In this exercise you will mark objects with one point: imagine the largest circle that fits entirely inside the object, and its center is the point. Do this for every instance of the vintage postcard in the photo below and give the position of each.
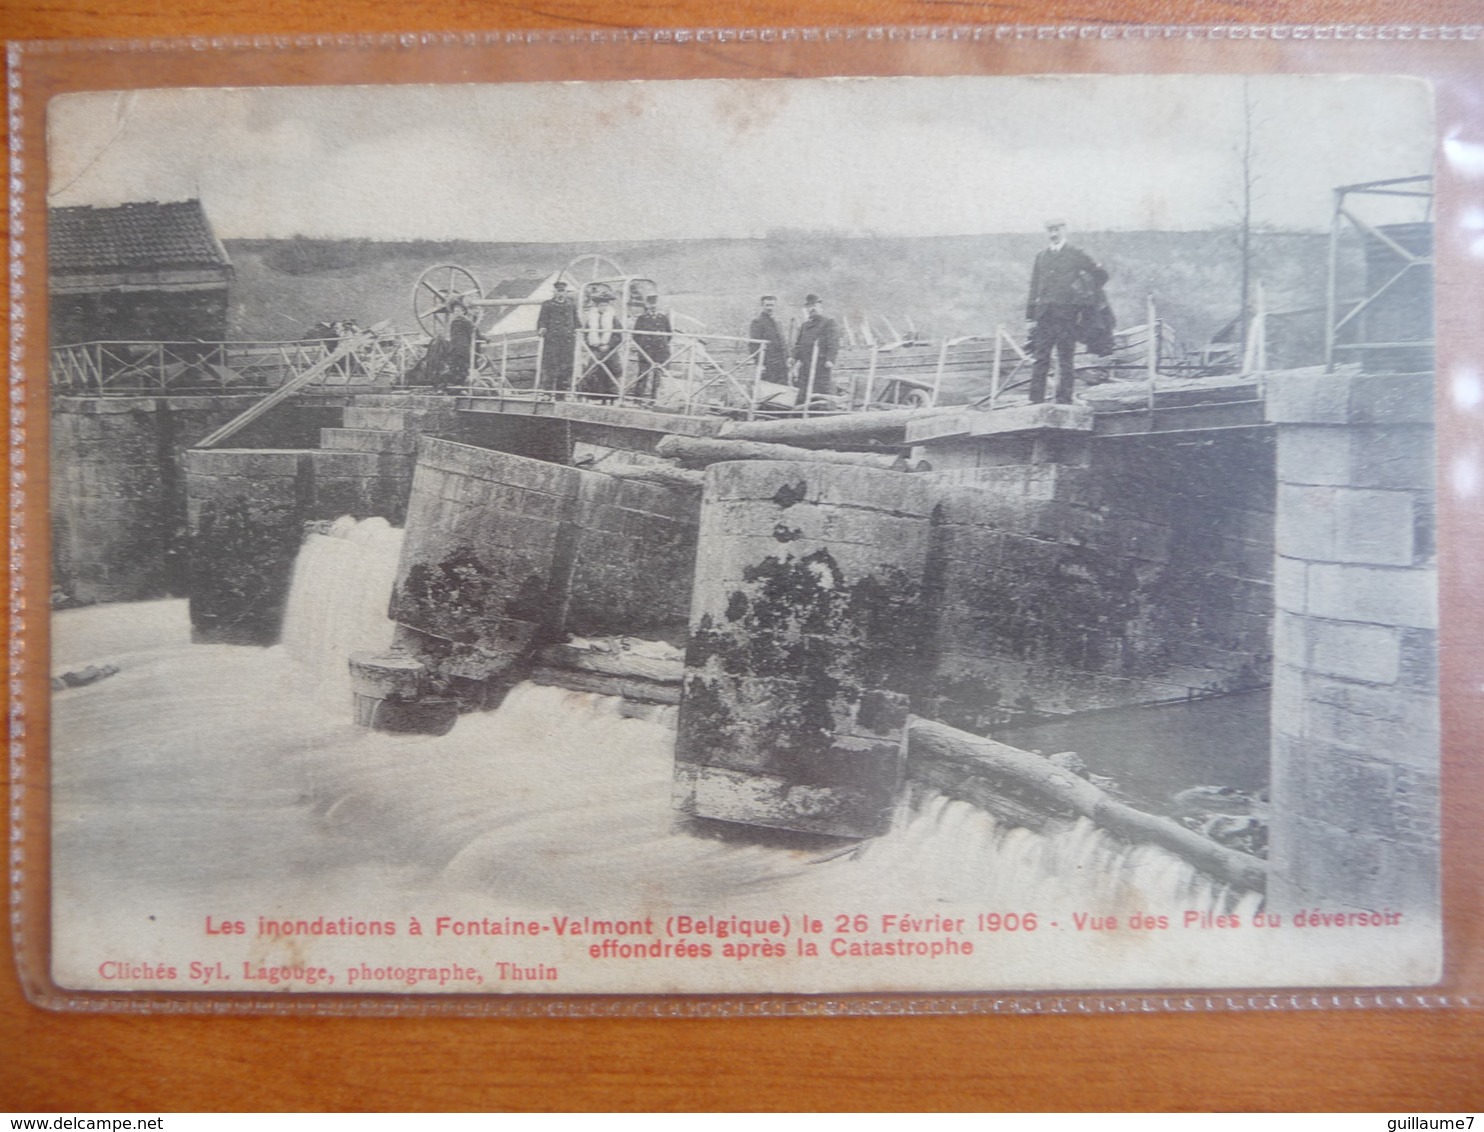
(769, 536)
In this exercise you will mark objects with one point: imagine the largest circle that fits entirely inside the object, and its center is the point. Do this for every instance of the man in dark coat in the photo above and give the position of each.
(815, 349)
(1065, 282)
(458, 365)
(651, 336)
(773, 351)
(557, 325)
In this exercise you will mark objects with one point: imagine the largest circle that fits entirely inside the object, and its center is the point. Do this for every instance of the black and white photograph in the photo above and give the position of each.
(766, 536)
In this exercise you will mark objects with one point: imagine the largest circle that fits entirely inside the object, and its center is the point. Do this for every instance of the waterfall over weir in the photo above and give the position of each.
(231, 777)
(337, 603)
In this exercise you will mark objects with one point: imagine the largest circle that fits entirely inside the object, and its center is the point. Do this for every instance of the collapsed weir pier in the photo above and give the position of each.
(1015, 564)
(1027, 562)
(842, 617)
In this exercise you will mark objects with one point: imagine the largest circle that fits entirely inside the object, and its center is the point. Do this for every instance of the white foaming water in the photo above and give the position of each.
(338, 600)
(217, 780)
(554, 801)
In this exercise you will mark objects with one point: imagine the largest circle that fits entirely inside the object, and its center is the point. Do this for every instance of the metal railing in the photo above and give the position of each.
(1347, 316)
(128, 368)
(684, 372)
(1145, 352)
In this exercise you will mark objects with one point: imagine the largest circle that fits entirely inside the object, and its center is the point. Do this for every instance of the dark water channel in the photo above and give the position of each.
(1153, 753)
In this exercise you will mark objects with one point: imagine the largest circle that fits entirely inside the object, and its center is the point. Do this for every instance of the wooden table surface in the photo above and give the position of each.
(1395, 1061)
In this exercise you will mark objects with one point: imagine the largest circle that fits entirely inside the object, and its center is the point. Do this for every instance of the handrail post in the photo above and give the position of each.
(938, 377)
(996, 364)
(625, 354)
(1331, 298)
(809, 389)
(1151, 346)
(757, 381)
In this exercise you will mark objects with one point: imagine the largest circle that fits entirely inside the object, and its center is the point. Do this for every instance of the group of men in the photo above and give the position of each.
(334, 335)
(1065, 306)
(602, 331)
(810, 366)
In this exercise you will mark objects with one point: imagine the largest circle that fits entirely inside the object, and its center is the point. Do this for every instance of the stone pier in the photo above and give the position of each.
(1355, 716)
(804, 646)
(504, 553)
(118, 498)
(245, 515)
(1073, 571)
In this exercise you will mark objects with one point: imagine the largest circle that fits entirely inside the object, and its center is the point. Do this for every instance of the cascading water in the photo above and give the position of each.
(516, 768)
(337, 603)
(234, 774)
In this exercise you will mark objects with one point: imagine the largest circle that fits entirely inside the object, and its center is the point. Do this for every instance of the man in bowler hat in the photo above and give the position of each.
(815, 350)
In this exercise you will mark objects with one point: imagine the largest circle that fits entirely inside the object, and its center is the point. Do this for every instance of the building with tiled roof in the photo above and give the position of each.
(141, 272)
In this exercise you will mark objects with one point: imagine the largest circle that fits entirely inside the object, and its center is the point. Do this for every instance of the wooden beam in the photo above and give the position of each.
(288, 389)
(888, 427)
(1035, 781)
(701, 451)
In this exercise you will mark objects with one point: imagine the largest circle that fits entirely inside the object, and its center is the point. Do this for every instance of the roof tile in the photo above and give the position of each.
(145, 235)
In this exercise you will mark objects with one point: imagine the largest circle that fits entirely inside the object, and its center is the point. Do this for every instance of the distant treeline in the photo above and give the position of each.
(939, 285)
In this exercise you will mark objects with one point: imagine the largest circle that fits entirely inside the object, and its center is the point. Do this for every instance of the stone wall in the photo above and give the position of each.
(1355, 717)
(805, 646)
(118, 499)
(388, 426)
(1070, 573)
(503, 552)
(246, 510)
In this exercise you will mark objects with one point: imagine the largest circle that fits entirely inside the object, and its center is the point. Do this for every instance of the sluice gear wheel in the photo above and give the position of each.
(586, 270)
(434, 293)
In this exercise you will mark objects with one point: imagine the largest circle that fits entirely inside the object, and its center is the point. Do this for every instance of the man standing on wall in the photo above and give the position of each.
(557, 325)
(774, 354)
(458, 366)
(815, 350)
(1064, 286)
(652, 332)
(602, 335)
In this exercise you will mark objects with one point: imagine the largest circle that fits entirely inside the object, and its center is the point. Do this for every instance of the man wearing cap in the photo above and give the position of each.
(773, 353)
(651, 345)
(815, 350)
(557, 325)
(1064, 285)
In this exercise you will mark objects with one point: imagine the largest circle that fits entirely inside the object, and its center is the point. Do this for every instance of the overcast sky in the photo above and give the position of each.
(642, 160)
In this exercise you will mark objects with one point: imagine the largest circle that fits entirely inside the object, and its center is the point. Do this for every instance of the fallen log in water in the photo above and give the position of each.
(704, 450)
(1033, 786)
(888, 426)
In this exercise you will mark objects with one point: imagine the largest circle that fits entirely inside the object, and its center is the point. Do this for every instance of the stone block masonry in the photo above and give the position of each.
(1355, 715)
(1109, 572)
(389, 426)
(805, 646)
(245, 514)
(504, 553)
(119, 524)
